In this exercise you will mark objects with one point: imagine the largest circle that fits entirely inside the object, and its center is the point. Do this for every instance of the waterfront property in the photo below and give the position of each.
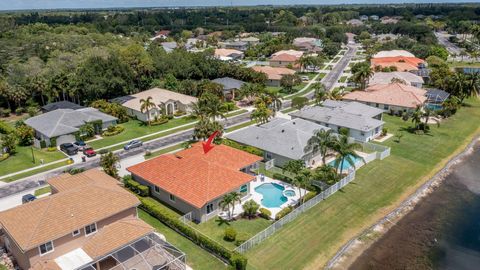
(274, 74)
(394, 97)
(362, 122)
(435, 98)
(61, 125)
(165, 101)
(281, 140)
(89, 222)
(194, 182)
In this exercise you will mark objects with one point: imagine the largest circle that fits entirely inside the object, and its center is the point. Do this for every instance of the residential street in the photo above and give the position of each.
(33, 182)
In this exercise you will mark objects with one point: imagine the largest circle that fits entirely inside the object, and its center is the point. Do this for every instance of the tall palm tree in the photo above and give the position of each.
(363, 75)
(109, 162)
(225, 203)
(320, 92)
(276, 100)
(321, 141)
(345, 153)
(294, 166)
(146, 106)
(301, 180)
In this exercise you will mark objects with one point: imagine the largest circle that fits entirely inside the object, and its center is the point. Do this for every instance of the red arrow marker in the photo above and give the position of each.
(207, 146)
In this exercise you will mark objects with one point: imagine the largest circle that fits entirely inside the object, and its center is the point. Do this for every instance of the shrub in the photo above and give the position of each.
(309, 196)
(53, 142)
(25, 135)
(160, 121)
(43, 144)
(179, 113)
(230, 234)
(265, 213)
(249, 149)
(143, 191)
(282, 177)
(236, 259)
(136, 187)
(113, 130)
(344, 131)
(5, 112)
(250, 208)
(51, 149)
(4, 156)
(74, 171)
(384, 131)
(5, 128)
(241, 238)
(103, 151)
(283, 212)
(32, 111)
(20, 110)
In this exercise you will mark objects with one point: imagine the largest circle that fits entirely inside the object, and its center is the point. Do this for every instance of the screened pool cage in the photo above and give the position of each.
(149, 253)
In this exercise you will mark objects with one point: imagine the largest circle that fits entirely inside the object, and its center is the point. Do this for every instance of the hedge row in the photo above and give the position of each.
(237, 260)
(136, 187)
(246, 148)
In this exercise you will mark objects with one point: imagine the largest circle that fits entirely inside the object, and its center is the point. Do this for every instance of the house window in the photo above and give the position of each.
(75, 233)
(157, 189)
(376, 105)
(89, 229)
(268, 155)
(243, 189)
(46, 248)
(363, 133)
(209, 208)
(385, 107)
(175, 105)
(172, 197)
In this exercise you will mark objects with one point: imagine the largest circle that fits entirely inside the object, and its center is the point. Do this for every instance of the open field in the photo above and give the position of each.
(313, 238)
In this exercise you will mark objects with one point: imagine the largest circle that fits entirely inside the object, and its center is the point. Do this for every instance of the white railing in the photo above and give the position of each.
(186, 218)
(261, 236)
(381, 150)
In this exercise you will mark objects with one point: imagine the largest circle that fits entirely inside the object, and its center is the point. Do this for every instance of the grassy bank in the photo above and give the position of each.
(314, 237)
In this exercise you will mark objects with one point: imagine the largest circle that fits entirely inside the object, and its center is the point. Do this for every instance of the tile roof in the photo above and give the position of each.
(116, 235)
(402, 63)
(195, 177)
(274, 73)
(393, 53)
(158, 96)
(386, 77)
(226, 52)
(280, 136)
(284, 57)
(338, 117)
(290, 52)
(65, 121)
(395, 94)
(57, 215)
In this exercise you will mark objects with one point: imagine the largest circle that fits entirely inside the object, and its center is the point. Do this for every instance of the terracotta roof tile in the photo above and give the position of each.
(195, 177)
(395, 94)
(402, 63)
(284, 57)
(274, 73)
(57, 215)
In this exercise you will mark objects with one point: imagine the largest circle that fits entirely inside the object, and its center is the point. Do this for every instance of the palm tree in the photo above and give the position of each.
(301, 180)
(362, 76)
(416, 117)
(345, 153)
(109, 162)
(321, 141)
(276, 101)
(146, 106)
(294, 166)
(320, 92)
(335, 94)
(229, 200)
(262, 113)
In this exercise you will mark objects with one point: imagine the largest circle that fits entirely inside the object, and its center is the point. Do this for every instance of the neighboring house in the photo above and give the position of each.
(169, 46)
(286, 58)
(162, 34)
(388, 20)
(251, 41)
(194, 182)
(194, 44)
(230, 86)
(281, 140)
(436, 96)
(394, 97)
(308, 44)
(274, 74)
(393, 53)
(63, 124)
(89, 222)
(363, 123)
(167, 101)
(355, 22)
(374, 18)
(228, 54)
(401, 63)
(235, 45)
(364, 17)
(61, 105)
(387, 77)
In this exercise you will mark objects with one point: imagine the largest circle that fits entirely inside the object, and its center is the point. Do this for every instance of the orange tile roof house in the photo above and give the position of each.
(88, 221)
(286, 58)
(402, 63)
(192, 181)
(274, 74)
(394, 97)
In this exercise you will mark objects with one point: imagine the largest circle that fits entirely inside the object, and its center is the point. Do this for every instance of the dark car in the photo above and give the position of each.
(69, 148)
(81, 145)
(133, 144)
(28, 198)
(89, 152)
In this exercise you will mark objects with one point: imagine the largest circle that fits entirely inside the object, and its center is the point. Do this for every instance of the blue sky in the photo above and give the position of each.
(50, 4)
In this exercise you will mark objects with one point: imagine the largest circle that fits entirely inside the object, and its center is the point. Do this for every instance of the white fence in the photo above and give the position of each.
(261, 236)
(186, 218)
(382, 151)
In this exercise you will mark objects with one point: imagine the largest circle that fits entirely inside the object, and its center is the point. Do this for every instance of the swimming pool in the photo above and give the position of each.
(272, 194)
(346, 166)
(434, 107)
(289, 193)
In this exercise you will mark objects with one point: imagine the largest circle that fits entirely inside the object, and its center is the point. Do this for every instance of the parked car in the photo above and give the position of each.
(69, 148)
(133, 144)
(89, 152)
(305, 78)
(81, 145)
(28, 198)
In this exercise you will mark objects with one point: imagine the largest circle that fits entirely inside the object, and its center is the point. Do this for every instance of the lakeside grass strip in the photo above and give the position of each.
(314, 237)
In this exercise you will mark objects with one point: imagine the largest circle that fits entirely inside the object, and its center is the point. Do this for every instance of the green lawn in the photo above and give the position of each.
(23, 159)
(310, 75)
(239, 126)
(463, 64)
(136, 128)
(36, 171)
(315, 236)
(197, 258)
(165, 150)
(245, 229)
(343, 79)
(42, 191)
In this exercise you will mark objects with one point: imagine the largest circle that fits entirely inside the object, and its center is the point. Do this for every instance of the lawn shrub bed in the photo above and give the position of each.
(113, 130)
(265, 213)
(285, 211)
(246, 148)
(236, 260)
(136, 187)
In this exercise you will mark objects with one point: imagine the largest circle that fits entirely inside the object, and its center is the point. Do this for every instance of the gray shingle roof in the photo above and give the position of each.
(339, 116)
(65, 121)
(229, 83)
(61, 105)
(280, 136)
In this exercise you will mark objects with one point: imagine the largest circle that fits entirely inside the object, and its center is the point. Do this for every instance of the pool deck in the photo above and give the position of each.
(257, 197)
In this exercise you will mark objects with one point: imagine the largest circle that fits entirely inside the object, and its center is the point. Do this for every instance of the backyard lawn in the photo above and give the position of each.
(245, 229)
(23, 159)
(315, 236)
(197, 258)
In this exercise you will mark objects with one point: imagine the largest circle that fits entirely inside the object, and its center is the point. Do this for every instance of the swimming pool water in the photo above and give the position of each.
(346, 166)
(289, 193)
(272, 194)
(434, 107)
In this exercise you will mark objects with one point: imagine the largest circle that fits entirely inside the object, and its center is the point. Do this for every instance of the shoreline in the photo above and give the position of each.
(355, 247)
